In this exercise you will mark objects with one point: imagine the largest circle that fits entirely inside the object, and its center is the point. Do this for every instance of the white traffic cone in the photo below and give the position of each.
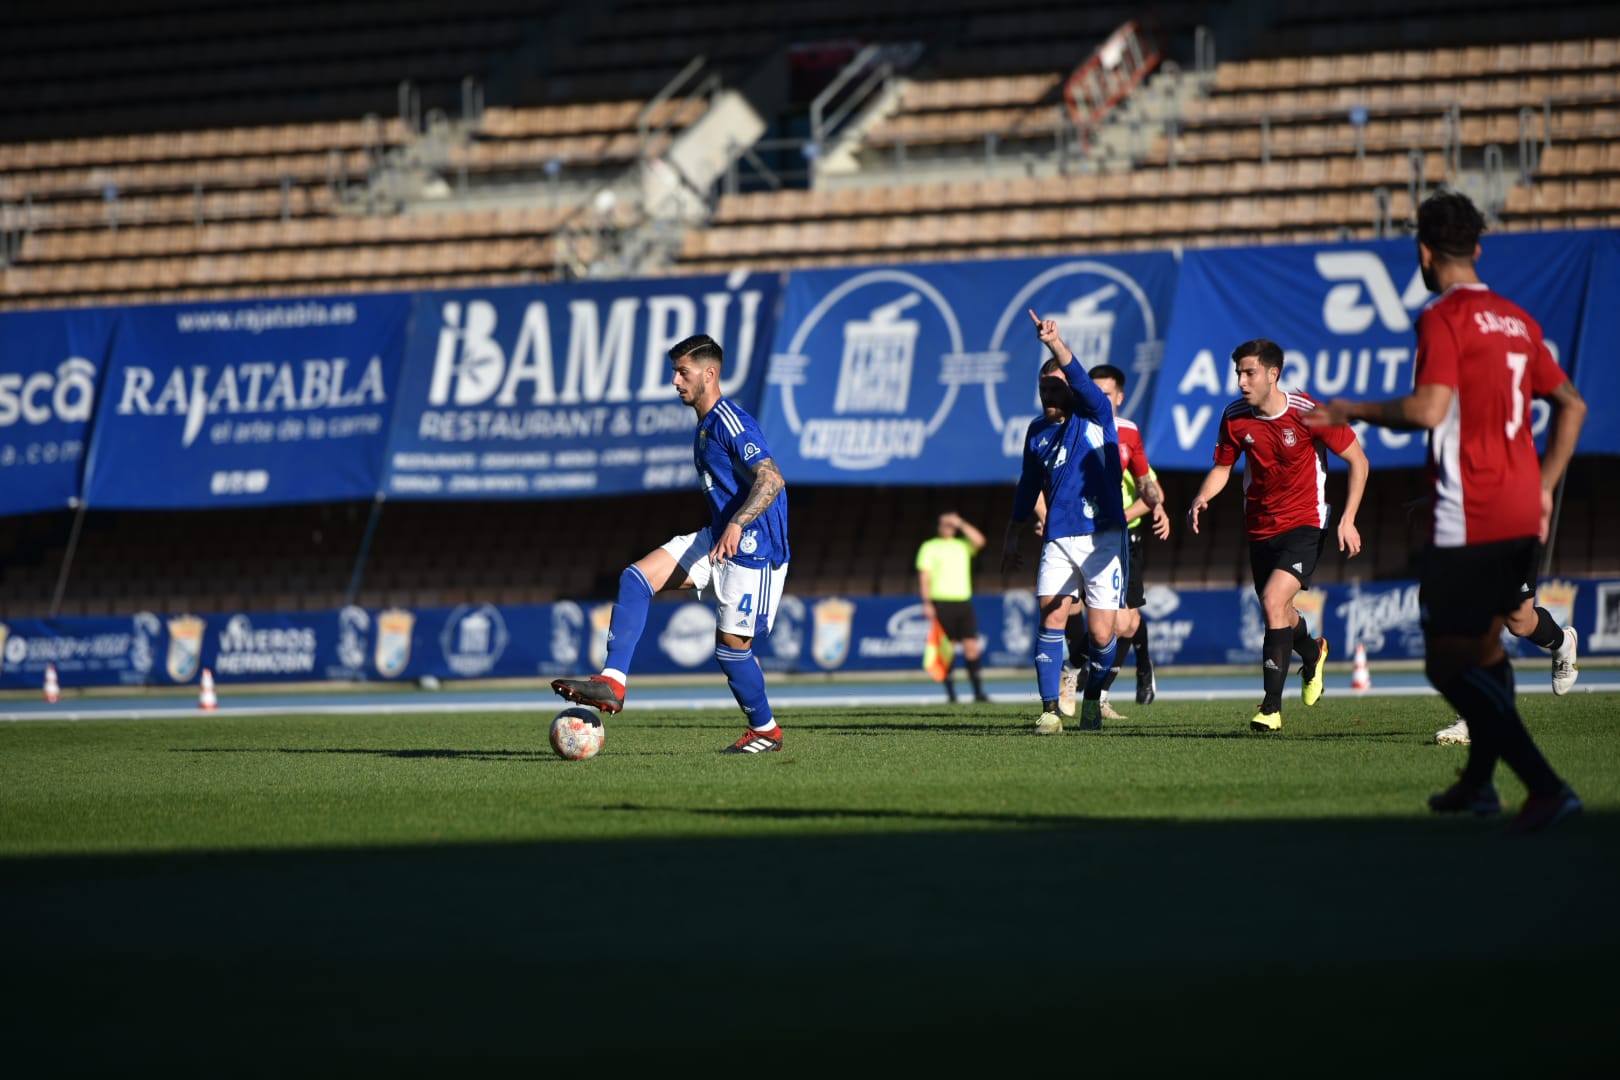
(207, 700)
(1360, 677)
(53, 689)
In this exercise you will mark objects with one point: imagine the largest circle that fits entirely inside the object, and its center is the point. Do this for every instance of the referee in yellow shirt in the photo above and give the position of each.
(945, 579)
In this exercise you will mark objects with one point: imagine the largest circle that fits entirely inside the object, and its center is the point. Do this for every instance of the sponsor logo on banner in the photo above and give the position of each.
(886, 400)
(688, 637)
(1371, 616)
(144, 627)
(905, 634)
(259, 389)
(1310, 603)
(279, 650)
(1166, 636)
(68, 394)
(567, 625)
(185, 647)
(1606, 633)
(353, 623)
(473, 639)
(832, 630)
(787, 631)
(5, 632)
(1103, 315)
(392, 651)
(601, 634)
(1018, 622)
(1251, 629)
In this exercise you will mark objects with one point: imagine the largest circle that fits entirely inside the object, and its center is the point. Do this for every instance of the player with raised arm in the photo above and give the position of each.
(1480, 361)
(739, 561)
(1286, 511)
(1071, 458)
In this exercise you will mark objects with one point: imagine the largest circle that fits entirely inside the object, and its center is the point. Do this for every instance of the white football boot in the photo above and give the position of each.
(1455, 735)
(1564, 668)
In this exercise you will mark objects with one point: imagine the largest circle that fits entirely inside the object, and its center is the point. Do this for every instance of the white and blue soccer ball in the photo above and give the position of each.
(576, 734)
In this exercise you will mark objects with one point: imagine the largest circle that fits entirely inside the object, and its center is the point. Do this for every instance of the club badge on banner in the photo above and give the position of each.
(530, 392)
(229, 404)
(1344, 316)
(911, 374)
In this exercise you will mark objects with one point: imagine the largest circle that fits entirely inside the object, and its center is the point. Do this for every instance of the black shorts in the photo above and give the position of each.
(1134, 596)
(1464, 590)
(1293, 552)
(956, 618)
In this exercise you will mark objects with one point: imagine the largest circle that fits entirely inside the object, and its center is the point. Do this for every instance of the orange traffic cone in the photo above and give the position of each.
(207, 700)
(1360, 677)
(53, 689)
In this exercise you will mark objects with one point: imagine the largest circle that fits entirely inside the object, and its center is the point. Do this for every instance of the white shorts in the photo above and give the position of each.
(745, 597)
(1098, 561)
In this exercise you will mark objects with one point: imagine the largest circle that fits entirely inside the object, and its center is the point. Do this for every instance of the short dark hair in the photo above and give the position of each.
(1108, 371)
(700, 347)
(1449, 224)
(1269, 353)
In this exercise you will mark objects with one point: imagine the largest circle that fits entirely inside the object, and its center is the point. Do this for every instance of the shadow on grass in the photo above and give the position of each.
(1315, 946)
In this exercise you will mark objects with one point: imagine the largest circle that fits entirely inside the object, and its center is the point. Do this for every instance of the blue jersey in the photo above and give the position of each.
(1076, 463)
(729, 446)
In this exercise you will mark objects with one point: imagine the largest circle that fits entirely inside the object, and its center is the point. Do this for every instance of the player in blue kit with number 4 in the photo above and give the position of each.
(739, 562)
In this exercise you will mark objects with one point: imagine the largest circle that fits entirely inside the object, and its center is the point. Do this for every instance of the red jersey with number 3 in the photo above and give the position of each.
(1285, 476)
(1482, 456)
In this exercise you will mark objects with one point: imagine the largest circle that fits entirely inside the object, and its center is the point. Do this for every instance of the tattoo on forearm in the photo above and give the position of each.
(768, 483)
(1151, 493)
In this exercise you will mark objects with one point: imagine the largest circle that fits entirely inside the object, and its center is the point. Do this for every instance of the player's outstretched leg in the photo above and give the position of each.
(747, 684)
(1049, 679)
(606, 691)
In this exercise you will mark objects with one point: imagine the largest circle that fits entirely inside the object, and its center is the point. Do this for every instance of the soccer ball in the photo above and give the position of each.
(576, 734)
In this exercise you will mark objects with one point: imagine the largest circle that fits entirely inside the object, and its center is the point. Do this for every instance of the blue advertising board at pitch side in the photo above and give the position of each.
(1344, 316)
(560, 390)
(50, 367)
(927, 373)
(247, 404)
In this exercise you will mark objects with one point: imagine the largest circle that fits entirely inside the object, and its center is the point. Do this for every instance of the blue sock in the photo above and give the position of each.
(1049, 663)
(747, 685)
(629, 618)
(1099, 665)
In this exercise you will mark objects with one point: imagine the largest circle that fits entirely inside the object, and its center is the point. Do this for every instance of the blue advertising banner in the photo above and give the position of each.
(1597, 375)
(822, 635)
(1344, 316)
(918, 374)
(50, 367)
(529, 392)
(280, 401)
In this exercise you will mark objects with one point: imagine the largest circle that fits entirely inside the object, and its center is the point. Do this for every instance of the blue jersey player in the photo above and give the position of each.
(1072, 464)
(739, 562)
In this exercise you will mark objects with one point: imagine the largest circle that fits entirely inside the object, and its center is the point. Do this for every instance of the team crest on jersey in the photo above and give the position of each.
(749, 543)
(1288, 436)
(393, 649)
(185, 647)
(834, 627)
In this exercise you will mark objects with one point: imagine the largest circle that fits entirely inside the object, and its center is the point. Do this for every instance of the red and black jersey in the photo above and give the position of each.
(1285, 476)
(1482, 456)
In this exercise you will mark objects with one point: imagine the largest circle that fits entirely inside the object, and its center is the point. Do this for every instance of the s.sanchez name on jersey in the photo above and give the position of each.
(729, 447)
(1076, 463)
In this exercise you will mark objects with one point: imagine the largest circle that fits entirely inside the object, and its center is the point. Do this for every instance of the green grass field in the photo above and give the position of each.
(440, 895)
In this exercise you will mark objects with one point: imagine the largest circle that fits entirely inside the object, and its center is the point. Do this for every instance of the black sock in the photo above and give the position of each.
(1139, 642)
(1305, 645)
(1495, 730)
(1108, 679)
(1276, 667)
(1079, 642)
(1547, 634)
(973, 674)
